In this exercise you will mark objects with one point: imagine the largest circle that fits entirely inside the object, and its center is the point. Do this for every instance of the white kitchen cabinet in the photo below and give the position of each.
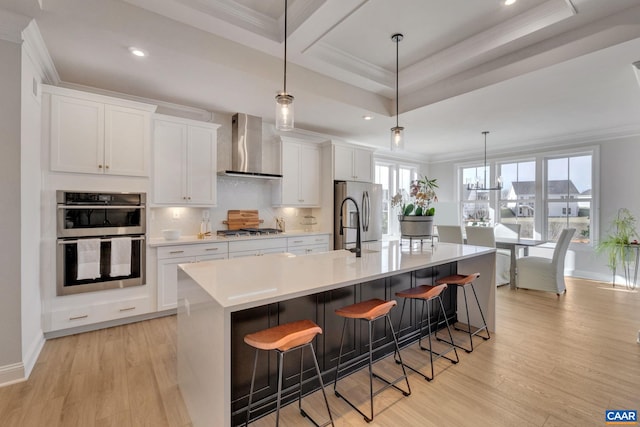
(352, 163)
(300, 184)
(304, 245)
(257, 247)
(96, 134)
(98, 312)
(184, 162)
(167, 267)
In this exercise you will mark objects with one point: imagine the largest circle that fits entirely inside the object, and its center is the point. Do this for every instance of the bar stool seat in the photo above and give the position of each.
(369, 311)
(464, 281)
(427, 294)
(283, 339)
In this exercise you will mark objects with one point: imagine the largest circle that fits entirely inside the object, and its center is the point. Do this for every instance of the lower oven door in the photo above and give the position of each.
(67, 262)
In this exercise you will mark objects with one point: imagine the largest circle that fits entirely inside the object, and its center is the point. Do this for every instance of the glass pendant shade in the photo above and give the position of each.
(284, 112)
(397, 138)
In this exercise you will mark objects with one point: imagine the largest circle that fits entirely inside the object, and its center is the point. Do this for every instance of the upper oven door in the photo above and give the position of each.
(93, 214)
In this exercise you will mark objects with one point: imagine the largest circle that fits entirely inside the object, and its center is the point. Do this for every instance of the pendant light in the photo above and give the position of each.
(284, 101)
(397, 132)
(477, 186)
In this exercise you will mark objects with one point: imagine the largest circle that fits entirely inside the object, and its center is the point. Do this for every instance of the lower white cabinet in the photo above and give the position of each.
(168, 259)
(99, 312)
(304, 245)
(257, 247)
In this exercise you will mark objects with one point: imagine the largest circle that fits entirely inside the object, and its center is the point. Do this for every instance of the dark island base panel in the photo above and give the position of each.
(321, 309)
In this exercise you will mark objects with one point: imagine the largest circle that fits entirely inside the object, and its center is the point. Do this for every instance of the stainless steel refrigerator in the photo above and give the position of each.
(369, 200)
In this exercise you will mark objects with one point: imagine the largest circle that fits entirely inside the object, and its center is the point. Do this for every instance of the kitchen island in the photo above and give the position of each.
(219, 302)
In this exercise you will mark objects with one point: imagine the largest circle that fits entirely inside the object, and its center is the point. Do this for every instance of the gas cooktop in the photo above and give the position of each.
(248, 232)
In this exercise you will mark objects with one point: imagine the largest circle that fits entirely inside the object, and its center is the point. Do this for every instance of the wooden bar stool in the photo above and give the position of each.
(284, 339)
(427, 294)
(370, 310)
(463, 281)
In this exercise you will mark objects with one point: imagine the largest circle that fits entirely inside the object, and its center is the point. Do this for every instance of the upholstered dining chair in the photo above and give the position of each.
(545, 274)
(450, 234)
(509, 231)
(485, 236)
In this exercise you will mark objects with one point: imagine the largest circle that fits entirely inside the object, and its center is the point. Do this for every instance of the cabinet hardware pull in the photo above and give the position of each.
(176, 252)
(128, 308)
(99, 166)
(79, 317)
(106, 167)
(188, 198)
(297, 241)
(319, 240)
(212, 249)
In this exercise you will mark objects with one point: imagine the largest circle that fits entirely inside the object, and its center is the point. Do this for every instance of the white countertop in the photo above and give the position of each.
(193, 240)
(236, 284)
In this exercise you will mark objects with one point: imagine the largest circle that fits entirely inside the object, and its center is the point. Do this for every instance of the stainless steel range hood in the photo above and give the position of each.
(246, 148)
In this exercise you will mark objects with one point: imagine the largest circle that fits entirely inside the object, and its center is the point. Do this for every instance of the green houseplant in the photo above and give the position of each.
(622, 233)
(415, 212)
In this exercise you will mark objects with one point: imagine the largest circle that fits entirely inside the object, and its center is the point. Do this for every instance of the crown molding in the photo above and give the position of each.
(37, 50)
(560, 141)
(11, 26)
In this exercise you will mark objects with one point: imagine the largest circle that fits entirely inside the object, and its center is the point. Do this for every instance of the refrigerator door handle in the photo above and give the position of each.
(366, 207)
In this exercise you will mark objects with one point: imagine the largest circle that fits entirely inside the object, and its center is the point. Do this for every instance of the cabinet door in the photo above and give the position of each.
(343, 163)
(309, 193)
(77, 135)
(168, 282)
(169, 162)
(201, 166)
(363, 165)
(126, 141)
(290, 174)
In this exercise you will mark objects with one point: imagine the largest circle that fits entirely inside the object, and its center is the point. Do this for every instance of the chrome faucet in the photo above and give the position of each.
(358, 249)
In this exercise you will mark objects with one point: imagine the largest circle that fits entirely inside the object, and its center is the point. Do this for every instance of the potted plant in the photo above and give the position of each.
(415, 212)
(622, 234)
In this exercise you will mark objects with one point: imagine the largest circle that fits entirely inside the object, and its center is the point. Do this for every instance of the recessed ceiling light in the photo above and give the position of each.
(137, 52)
(367, 117)
(509, 2)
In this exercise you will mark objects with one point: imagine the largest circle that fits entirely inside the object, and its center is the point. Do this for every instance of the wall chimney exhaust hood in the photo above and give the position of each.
(246, 148)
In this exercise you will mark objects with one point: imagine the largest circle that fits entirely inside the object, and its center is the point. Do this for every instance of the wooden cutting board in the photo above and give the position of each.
(237, 219)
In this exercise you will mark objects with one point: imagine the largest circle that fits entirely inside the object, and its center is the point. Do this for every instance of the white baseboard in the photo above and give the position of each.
(11, 374)
(31, 357)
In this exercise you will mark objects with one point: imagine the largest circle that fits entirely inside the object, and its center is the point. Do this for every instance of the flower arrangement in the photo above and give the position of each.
(419, 199)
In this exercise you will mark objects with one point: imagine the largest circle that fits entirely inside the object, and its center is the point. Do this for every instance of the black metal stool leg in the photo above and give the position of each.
(324, 394)
(484, 322)
(335, 382)
(446, 321)
(280, 368)
(253, 379)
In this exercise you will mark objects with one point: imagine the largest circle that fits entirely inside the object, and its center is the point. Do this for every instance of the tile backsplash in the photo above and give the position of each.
(233, 193)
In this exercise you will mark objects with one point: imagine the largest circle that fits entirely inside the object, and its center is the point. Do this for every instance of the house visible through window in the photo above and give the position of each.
(392, 177)
(545, 195)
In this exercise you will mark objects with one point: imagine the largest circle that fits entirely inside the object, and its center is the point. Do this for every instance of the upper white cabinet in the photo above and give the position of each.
(184, 161)
(300, 184)
(352, 163)
(92, 133)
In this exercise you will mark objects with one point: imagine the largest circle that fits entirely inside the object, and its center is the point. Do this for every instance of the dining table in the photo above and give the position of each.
(513, 244)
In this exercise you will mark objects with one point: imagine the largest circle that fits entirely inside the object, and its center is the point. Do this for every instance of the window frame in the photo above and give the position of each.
(541, 199)
(393, 225)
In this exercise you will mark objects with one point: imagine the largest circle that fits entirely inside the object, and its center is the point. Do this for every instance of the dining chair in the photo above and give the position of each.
(545, 274)
(450, 234)
(509, 231)
(485, 236)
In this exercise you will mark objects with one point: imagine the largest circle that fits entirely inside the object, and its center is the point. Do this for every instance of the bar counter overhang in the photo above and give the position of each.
(219, 301)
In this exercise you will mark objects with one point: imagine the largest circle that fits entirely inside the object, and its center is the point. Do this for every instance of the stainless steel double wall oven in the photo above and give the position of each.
(104, 216)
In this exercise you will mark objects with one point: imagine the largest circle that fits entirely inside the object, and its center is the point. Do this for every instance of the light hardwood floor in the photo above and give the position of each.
(553, 362)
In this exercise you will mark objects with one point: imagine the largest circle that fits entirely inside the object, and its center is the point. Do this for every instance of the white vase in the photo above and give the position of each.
(416, 226)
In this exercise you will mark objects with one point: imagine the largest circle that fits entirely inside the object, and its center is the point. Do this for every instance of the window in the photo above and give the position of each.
(517, 200)
(568, 193)
(475, 205)
(545, 194)
(392, 177)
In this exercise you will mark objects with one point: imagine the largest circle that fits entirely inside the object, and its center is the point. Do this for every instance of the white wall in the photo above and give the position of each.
(619, 173)
(10, 213)
(30, 182)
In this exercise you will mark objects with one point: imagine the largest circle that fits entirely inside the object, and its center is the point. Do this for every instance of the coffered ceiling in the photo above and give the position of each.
(540, 72)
